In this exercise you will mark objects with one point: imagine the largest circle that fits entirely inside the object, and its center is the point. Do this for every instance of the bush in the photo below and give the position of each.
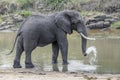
(25, 13)
(1, 19)
(116, 24)
(56, 4)
(25, 3)
(109, 6)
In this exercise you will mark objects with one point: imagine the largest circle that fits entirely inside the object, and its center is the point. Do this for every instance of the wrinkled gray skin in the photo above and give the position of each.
(38, 30)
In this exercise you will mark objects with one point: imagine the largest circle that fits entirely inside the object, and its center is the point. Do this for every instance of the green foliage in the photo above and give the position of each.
(116, 24)
(56, 4)
(25, 3)
(1, 20)
(25, 13)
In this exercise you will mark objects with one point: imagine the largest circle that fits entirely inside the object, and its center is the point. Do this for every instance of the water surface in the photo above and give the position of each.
(108, 54)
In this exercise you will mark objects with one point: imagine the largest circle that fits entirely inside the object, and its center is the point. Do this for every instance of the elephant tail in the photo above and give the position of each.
(18, 34)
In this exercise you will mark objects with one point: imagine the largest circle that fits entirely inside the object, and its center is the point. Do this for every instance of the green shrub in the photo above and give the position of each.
(25, 3)
(116, 24)
(25, 13)
(56, 4)
(1, 19)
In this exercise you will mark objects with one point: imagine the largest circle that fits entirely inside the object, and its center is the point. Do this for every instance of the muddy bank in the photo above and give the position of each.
(33, 74)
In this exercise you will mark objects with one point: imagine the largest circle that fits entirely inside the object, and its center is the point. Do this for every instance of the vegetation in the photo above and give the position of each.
(25, 13)
(116, 24)
(57, 4)
(1, 19)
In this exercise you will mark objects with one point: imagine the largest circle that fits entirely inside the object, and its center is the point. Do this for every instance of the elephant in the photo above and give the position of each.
(41, 30)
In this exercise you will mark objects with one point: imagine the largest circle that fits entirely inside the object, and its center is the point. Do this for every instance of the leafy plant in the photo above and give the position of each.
(116, 24)
(25, 3)
(25, 13)
(56, 4)
(1, 19)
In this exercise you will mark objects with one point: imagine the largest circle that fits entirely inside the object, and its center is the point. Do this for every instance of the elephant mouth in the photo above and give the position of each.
(88, 38)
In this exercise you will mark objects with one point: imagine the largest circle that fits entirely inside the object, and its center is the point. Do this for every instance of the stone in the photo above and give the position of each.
(110, 20)
(92, 20)
(91, 26)
(99, 25)
(118, 27)
(106, 24)
(12, 7)
(100, 16)
(3, 24)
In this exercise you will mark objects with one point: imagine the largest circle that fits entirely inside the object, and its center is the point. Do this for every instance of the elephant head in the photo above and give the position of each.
(71, 20)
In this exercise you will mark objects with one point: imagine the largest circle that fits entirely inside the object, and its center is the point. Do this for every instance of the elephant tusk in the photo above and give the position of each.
(87, 37)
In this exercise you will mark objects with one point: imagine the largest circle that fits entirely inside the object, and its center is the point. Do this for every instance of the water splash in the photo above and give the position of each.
(92, 54)
(78, 65)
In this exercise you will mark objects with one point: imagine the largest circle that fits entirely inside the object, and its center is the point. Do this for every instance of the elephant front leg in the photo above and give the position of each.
(55, 49)
(63, 45)
(64, 50)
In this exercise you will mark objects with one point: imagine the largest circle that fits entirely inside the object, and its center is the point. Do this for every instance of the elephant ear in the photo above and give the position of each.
(63, 21)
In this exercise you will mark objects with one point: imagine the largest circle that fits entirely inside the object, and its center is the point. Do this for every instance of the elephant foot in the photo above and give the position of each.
(16, 65)
(55, 67)
(29, 65)
(65, 68)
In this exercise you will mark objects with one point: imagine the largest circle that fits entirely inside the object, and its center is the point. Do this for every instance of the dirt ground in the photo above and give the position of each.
(32, 74)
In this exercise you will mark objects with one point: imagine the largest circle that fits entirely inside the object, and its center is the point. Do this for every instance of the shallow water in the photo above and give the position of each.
(107, 60)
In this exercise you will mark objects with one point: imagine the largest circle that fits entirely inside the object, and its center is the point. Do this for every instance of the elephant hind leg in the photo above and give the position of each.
(19, 50)
(29, 46)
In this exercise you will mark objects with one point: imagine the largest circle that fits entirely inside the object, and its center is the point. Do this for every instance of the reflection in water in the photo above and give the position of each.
(108, 55)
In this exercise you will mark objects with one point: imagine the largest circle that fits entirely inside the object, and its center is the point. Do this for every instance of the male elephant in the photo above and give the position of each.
(39, 30)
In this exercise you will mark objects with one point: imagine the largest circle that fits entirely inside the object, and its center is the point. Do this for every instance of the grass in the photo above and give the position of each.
(115, 24)
(1, 19)
(25, 13)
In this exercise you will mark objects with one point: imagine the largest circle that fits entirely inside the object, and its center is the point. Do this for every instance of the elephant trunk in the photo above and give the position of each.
(84, 43)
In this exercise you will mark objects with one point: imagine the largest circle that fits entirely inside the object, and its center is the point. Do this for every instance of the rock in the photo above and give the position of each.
(10, 21)
(6, 27)
(3, 24)
(99, 25)
(101, 21)
(100, 16)
(3, 7)
(106, 24)
(12, 7)
(111, 20)
(92, 20)
(17, 18)
(91, 26)
(118, 27)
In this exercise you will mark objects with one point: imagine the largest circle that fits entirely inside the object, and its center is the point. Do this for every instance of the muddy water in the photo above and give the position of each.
(108, 55)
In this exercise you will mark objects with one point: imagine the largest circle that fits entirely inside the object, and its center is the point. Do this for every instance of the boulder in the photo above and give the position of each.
(100, 16)
(99, 25)
(118, 27)
(6, 27)
(101, 21)
(3, 7)
(12, 7)
(3, 24)
(110, 20)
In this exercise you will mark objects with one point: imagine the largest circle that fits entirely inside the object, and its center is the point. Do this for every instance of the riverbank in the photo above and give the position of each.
(32, 74)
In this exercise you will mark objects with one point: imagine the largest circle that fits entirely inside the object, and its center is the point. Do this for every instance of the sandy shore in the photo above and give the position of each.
(32, 74)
